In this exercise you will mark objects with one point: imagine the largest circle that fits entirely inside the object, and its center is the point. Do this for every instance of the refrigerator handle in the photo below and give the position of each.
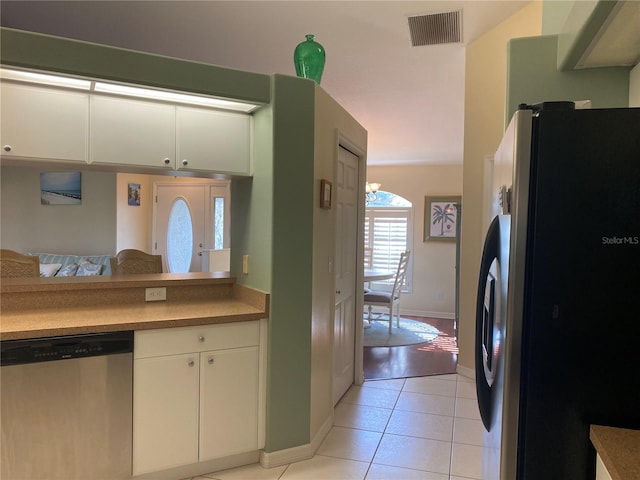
(483, 330)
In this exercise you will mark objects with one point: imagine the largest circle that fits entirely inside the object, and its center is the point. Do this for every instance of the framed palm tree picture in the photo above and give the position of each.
(441, 218)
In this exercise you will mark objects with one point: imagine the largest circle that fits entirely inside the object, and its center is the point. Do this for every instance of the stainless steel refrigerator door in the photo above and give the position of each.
(498, 383)
(517, 144)
(68, 419)
(490, 334)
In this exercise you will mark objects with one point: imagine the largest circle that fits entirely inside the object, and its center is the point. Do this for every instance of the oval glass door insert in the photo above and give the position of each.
(179, 237)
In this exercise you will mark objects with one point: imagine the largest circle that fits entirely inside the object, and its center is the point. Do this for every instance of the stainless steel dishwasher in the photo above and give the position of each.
(67, 407)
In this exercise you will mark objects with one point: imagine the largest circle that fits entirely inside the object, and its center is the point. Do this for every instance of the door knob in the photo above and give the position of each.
(191, 363)
(210, 360)
(167, 161)
(185, 162)
(7, 148)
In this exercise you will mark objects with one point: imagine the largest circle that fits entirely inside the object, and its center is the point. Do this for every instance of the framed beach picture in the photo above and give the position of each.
(133, 194)
(60, 188)
(441, 218)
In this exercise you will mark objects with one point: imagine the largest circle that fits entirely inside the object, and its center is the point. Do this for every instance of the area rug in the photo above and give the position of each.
(410, 332)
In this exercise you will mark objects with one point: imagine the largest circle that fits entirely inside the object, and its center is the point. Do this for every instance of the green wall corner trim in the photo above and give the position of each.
(533, 77)
(289, 355)
(572, 46)
(30, 50)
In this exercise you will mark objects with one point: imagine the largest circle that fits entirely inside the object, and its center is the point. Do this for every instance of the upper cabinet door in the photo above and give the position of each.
(212, 140)
(132, 132)
(44, 123)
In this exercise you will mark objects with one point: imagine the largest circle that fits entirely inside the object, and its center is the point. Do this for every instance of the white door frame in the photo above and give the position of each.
(343, 141)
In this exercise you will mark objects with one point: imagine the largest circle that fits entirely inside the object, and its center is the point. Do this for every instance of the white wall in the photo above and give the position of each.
(485, 97)
(433, 279)
(85, 229)
(330, 118)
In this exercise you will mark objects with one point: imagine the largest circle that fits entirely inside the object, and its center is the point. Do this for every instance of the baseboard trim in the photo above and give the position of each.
(466, 372)
(299, 453)
(201, 468)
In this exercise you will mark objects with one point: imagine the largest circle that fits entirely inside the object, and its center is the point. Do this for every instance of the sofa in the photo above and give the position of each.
(56, 265)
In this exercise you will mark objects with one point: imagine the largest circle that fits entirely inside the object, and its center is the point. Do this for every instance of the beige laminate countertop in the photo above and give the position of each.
(34, 308)
(619, 449)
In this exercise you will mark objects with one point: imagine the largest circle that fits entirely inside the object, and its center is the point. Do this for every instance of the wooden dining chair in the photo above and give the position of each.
(16, 265)
(131, 261)
(390, 300)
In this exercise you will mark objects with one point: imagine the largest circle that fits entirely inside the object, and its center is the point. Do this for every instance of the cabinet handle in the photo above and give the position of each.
(167, 161)
(201, 338)
(185, 162)
(191, 363)
(210, 360)
(7, 148)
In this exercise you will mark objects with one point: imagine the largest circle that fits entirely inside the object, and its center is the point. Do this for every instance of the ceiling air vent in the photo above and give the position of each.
(436, 28)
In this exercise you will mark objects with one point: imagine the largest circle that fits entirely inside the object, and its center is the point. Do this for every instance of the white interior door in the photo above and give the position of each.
(180, 226)
(346, 202)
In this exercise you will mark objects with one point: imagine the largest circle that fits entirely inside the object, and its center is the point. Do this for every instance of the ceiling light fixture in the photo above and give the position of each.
(126, 90)
(371, 192)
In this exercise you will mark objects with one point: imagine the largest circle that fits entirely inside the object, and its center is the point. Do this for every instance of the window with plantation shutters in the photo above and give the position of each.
(387, 233)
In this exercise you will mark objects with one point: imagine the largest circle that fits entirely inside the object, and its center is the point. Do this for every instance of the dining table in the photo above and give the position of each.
(374, 274)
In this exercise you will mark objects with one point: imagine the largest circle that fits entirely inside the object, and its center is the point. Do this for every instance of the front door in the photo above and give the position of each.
(345, 269)
(179, 227)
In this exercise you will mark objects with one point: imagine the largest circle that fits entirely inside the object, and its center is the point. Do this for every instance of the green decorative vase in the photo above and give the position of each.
(309, 58)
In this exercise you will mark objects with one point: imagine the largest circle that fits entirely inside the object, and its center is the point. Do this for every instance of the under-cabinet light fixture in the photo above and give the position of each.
(45, 79)
(126, 90)
(175, 97)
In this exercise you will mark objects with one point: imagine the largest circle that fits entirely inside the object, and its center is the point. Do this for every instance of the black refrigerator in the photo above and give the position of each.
(558, 305)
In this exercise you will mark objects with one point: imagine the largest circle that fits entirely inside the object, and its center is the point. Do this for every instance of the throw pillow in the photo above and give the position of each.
(68, 271)
(49, 269)
(88, 269)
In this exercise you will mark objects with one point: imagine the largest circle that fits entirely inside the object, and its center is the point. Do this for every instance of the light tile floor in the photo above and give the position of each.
(423, 428)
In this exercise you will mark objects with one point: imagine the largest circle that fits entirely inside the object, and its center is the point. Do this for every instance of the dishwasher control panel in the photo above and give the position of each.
(19, 352)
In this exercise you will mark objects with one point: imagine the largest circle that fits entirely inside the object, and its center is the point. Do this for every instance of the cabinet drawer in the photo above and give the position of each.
(174, 341)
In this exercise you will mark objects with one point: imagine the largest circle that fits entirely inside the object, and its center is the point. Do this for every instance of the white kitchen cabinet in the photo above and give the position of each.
(196, 394)
(212, 140)
(165, 412)
(229, 415)
(132, 132)
(44, 123)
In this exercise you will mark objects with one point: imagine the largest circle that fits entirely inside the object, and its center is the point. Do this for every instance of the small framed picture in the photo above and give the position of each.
(325, 194)
(133, 194)
(60, 188)
(441, 218)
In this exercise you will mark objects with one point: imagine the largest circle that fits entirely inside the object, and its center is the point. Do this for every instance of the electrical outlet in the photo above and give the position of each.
(245, 264)
(155, 294)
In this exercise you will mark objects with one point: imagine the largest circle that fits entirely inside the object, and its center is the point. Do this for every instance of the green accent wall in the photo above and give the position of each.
(45, 52)
(289, 377)
(533, 77)
(272, 222)
(272, 212)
